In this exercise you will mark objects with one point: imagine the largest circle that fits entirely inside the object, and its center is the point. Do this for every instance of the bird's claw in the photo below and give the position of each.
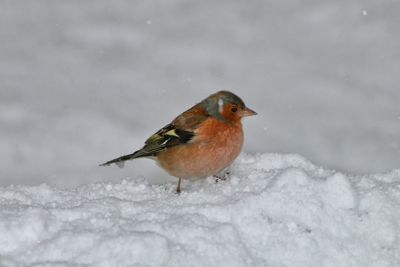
(222, 176)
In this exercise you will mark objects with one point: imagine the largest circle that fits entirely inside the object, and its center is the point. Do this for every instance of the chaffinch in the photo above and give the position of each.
(200, 142)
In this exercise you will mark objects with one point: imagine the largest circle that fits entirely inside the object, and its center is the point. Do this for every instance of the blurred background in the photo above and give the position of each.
(82, 82)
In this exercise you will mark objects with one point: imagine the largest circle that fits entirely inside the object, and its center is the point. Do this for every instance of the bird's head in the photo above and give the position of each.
(226, 106)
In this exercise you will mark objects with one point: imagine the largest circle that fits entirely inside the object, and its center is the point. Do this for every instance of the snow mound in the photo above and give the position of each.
(274, 210)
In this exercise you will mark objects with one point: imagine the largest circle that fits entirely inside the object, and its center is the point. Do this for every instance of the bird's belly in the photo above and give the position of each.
(202, 159)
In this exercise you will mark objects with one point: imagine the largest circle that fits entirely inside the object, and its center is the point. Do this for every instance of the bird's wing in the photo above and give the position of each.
(179, 132)
(166, 137)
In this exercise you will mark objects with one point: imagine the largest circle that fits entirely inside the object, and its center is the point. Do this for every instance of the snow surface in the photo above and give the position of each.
(274, 210)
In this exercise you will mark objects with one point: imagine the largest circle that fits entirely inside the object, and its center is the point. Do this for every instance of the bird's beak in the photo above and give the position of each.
(248, 112)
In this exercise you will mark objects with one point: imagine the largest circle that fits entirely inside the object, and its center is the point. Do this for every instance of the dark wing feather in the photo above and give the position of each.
(168, 136)
(179, 132)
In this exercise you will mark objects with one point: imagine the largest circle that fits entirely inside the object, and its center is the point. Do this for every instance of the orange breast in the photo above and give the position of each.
(216, 146)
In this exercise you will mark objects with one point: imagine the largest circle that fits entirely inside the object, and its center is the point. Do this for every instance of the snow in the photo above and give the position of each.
(82, 82)
(274, 210)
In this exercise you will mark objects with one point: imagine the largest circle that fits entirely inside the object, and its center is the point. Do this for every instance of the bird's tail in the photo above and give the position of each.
(121, 160)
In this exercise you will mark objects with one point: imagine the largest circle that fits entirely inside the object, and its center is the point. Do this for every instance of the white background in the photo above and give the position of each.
(82, 82)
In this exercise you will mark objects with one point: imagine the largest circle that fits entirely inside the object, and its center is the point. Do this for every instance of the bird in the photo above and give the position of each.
(199, 143)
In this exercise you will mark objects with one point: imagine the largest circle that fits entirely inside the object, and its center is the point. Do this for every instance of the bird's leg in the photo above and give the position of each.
(178, 189)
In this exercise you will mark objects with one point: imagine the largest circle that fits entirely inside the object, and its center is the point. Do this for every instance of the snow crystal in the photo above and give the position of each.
(273, 210)
(339, 192)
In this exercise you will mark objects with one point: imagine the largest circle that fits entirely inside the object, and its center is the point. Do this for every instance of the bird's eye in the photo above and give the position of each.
(234, 109)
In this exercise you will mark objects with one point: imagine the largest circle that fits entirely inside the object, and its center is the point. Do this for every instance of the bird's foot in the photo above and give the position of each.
(223, 176)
